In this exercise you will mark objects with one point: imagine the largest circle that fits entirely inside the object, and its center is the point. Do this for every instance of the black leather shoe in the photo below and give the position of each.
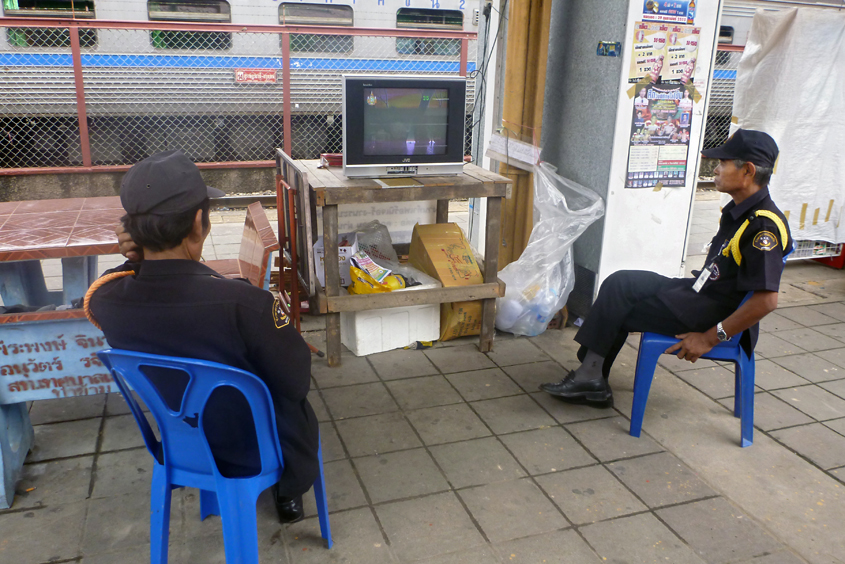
(289, 509)
(596, 393)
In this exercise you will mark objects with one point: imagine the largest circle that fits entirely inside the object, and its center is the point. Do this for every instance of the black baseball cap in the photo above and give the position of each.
(748, 145)
(164, 183)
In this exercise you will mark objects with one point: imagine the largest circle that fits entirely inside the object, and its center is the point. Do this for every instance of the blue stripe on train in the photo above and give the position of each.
(176, 61)
(724, 74)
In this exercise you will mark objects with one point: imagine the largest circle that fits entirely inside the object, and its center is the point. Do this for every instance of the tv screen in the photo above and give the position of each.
(403, 125)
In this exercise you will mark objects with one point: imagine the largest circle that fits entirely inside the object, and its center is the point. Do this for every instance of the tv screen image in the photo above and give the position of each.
(405, 121)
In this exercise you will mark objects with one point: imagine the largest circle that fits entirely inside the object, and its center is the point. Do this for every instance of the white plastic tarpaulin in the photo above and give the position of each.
(790, 83)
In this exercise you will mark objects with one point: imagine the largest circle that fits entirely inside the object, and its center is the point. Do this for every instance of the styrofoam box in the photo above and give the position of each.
(379, 330)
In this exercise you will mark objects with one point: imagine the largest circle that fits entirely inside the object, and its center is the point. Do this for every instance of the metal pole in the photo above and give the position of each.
(286, 93)
(81, 113)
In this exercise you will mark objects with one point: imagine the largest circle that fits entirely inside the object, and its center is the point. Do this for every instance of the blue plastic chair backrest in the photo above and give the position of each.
(183, 444)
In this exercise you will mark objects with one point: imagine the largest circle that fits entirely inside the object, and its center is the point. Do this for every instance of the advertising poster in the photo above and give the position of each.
(673, 11)
(663, 51)
(660, 133)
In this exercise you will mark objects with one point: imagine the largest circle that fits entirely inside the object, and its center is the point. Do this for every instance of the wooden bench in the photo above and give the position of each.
(255, 255)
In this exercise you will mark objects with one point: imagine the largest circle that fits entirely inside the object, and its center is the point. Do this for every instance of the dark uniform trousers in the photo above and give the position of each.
(629, 301)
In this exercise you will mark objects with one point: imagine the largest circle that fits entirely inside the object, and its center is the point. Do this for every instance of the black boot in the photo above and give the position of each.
(289, 509)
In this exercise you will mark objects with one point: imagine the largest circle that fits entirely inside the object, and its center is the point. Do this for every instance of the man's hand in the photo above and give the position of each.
(128, 247)
(693, 345)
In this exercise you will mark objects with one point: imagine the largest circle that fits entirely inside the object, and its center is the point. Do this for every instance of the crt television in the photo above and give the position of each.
(403, 125)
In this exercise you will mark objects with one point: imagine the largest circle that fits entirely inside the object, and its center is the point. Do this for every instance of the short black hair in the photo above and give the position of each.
(162, 232)
(763, 174)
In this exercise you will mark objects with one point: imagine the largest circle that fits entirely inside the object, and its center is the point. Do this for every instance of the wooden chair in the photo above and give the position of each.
(255, 255)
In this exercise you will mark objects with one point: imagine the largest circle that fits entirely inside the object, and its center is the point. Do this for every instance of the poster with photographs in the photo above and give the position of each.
(660, 133)
(663, 51)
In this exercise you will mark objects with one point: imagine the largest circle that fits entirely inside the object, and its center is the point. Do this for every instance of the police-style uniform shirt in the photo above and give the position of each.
(183, 308)
(757, 265)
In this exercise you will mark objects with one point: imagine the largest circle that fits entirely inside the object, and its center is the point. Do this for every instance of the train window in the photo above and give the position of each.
(425, 18)
(726, 34)
(317, 14)
(216, 11)
(49, 37)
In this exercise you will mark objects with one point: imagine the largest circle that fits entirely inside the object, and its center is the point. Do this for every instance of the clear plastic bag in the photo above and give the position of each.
(539, 283)
(374, 239)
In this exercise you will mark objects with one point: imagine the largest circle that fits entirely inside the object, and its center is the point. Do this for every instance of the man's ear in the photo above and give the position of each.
(750, 169)
(197, 230)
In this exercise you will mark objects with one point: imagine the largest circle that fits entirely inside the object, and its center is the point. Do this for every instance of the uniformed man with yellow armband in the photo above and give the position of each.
(746, 255)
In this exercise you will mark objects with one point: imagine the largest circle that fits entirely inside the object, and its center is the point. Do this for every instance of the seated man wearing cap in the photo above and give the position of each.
(746, 255)
(164, 301)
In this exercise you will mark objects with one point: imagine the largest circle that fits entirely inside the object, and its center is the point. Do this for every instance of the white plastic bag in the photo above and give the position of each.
(539, 283)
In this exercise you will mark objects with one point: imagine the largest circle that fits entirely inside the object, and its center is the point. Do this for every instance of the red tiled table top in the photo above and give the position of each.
(40, 229)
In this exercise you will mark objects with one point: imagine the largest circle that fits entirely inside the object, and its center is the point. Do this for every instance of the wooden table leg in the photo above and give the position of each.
(491, 270)
(442, 215)
(332, 270)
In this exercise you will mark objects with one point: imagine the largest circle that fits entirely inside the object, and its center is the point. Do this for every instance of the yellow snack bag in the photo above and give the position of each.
(363, 283)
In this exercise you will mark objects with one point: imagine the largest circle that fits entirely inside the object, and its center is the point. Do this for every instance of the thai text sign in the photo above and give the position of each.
(255, 76)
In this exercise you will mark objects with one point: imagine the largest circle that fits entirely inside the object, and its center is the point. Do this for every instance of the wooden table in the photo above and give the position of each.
(328, 187)
(75, 230)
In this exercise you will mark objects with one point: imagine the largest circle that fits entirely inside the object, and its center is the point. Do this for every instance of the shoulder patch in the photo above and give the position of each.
(280, 318)
(765, 241)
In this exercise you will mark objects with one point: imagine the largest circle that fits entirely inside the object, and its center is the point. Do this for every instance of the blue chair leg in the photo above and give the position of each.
(237, 500)
(159, 516)
(322, 501)
(745, 369)
(646, 365)
(208, 504)
(737, 389)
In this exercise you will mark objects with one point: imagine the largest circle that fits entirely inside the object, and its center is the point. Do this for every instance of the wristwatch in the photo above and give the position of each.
(720, 333)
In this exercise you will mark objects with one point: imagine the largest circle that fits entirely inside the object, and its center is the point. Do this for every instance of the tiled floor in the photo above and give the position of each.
(448, 455)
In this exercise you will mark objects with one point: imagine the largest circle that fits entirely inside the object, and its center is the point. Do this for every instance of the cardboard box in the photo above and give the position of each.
(441, 251)
(347, 245)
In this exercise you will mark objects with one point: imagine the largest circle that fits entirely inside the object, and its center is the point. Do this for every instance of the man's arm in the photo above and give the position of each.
(693, 345)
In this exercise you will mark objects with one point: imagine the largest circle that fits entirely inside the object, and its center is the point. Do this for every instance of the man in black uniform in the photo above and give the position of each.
(169, 303)
(746, 255)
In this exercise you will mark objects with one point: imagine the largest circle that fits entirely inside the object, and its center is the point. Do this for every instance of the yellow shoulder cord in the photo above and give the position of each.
(732, 248)
(95, 286)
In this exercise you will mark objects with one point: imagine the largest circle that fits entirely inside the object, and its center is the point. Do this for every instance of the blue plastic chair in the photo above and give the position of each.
(184, 458)
(652, 345)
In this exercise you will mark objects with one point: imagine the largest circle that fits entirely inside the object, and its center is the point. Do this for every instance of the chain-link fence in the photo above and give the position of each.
(720, 105)
(217, 95)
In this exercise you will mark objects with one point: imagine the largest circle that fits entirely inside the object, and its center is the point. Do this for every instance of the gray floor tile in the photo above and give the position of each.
(116, 405)
(507, 352)
(446, 424)
(318, 405)
(771, 412)
(716, 382)
(564, 412)
(809, 339)
(43, 535)
(551, 547)
(427, 391)
(835, 310)
(476, 462)
(477, 555)
(815, 367)
(836, 387)
(342, 488)
(124, 472)
(330, 443)
(117, 523)
(718, 531)
(135, 555)
(355, 533)
(54, 483)
(512, 414)
(837, 425)
(776, 322)
(823, 446)
(59, 440)
(608, 439)
(837, 330)
(806, 316)
(814, 401)
(639, 538)
(67, 409)
(770, 345)
(121, 431)
(353, 370)
(377, 434)
(484, 384)
(428, 526)
(660, 479)
(511, 510)
(547, 450)
(782, 557)
(458, 359)
(401, 364)
(530, 376)
(559, 346)
(399, 475)
(771, 376)
(357, 401)
(588, 495)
